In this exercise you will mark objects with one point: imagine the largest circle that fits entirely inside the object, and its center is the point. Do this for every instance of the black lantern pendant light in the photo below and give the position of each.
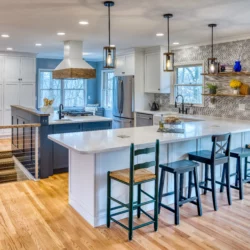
(168, 58)
(109, 53)
(212, 64)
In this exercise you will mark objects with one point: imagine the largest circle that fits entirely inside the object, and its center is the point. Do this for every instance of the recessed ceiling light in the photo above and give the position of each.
(84, 22)
(9, 49)
(38, 44)
(176, 43)
(5, 35)
(159, 34)
(86, 53)
(60, 33)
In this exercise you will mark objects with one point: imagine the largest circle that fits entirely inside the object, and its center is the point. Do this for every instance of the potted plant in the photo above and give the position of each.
(212, 88)
(235, 85)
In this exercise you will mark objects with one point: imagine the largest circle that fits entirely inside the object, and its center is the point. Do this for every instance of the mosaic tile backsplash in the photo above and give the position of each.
(226, 53)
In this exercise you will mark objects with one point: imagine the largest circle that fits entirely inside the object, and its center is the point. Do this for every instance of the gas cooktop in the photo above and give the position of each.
(76, 113)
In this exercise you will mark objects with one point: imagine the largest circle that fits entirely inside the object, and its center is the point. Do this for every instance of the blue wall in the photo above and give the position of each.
(93, 90)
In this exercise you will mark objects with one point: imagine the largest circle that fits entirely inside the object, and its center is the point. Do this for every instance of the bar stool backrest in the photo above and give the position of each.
(221, 144)
(144, 151)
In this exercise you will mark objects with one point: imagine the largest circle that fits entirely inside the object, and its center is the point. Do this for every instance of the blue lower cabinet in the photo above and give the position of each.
(60, 154)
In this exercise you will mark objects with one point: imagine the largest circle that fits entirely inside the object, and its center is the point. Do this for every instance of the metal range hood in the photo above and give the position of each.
(73, 66)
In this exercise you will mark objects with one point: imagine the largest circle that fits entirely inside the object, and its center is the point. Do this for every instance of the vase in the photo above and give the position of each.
(237, 66)
(236, 91)
(212, 91)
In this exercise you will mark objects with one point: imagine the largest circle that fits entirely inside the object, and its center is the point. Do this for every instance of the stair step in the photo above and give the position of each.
(6, 163)
(5, 154)
(8, 175)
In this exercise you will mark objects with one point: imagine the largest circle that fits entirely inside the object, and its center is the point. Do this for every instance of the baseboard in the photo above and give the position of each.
(60, 170)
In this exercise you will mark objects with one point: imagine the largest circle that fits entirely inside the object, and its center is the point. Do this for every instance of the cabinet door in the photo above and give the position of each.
(130, 64)
(11, 95)
(152, 73)
(120, 65)
(27, 69)
(12, 69)
(1, 69)
(27, 94)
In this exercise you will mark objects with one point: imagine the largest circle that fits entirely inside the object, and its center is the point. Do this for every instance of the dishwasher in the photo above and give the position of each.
(144, 120)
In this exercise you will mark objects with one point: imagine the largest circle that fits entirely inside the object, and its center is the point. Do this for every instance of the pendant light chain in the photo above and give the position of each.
(109, 24)
(212, 42)
(168, 35)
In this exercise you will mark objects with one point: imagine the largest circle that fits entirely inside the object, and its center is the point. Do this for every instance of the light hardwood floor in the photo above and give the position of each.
(36, 215)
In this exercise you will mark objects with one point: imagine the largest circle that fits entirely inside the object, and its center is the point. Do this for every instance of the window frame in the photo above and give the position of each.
(102, 87)
(39, 105)
(173, 83)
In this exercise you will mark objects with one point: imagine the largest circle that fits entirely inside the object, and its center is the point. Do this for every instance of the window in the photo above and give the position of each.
(107, 89)
(69, 92)
(188, 82)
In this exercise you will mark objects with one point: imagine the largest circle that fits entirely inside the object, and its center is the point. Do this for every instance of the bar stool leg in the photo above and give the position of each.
(206, 177)
(237, 172)
(229, 198)
(108, 199)
(240, 178)
(181, 187)
(213, 187)
(156, 206)
(176, 199)
(199, 208)
(162, 179)
(245, 168)
(139, 200)
(222, 179)
(130, 218)
(189, 184)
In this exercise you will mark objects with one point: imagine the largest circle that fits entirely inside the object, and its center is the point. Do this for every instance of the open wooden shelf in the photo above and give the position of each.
(231, 95)
(227, 74)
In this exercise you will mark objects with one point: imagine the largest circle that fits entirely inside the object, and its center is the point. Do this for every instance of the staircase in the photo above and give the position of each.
(8, 172)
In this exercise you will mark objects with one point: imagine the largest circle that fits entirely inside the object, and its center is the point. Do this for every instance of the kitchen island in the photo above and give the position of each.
(93, 154)
(53, 157)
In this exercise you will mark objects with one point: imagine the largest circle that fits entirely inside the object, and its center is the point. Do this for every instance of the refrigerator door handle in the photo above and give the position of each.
(122, 95)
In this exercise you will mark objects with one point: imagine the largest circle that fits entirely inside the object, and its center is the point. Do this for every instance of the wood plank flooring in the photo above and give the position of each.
(36, 215)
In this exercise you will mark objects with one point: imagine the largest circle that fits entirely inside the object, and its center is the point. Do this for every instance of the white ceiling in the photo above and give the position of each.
(134, 23)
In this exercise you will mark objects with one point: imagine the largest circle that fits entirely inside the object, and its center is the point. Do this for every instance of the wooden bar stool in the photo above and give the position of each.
(137, 174)
(179, 168)
(239, 154)
(220, 154)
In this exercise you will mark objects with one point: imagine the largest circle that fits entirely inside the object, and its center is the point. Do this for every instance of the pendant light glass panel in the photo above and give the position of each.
(109, 57)
(212, 66)
(168, 62)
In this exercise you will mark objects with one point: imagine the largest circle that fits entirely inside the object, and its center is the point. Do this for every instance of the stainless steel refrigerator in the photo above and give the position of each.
(123, 102)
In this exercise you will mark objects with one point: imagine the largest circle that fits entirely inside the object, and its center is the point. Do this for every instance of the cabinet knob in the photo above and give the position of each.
(159, 89)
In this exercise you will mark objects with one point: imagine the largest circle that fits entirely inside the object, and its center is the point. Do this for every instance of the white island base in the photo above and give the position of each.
(88, 176)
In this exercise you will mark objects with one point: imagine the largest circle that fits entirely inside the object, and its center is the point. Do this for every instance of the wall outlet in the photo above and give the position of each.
(242, 106)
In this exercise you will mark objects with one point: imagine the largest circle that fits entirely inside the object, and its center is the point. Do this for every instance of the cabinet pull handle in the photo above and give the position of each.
(159, 89)
(123, 72)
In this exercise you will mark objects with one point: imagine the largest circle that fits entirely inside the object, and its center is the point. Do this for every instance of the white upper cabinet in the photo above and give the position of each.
(12, 69)
(125, 65)
(19, 69)
(156, 80)
(27, 69)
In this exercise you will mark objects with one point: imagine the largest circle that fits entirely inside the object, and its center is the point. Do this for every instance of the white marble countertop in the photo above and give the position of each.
(54, 119)
(109, 140)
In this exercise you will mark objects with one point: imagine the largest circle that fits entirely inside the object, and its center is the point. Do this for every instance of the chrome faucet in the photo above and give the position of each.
(60, 111)
(182, 110)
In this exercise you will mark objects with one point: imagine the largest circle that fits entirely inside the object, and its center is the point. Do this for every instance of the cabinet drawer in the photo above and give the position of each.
(67, 128)
(96, 126)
